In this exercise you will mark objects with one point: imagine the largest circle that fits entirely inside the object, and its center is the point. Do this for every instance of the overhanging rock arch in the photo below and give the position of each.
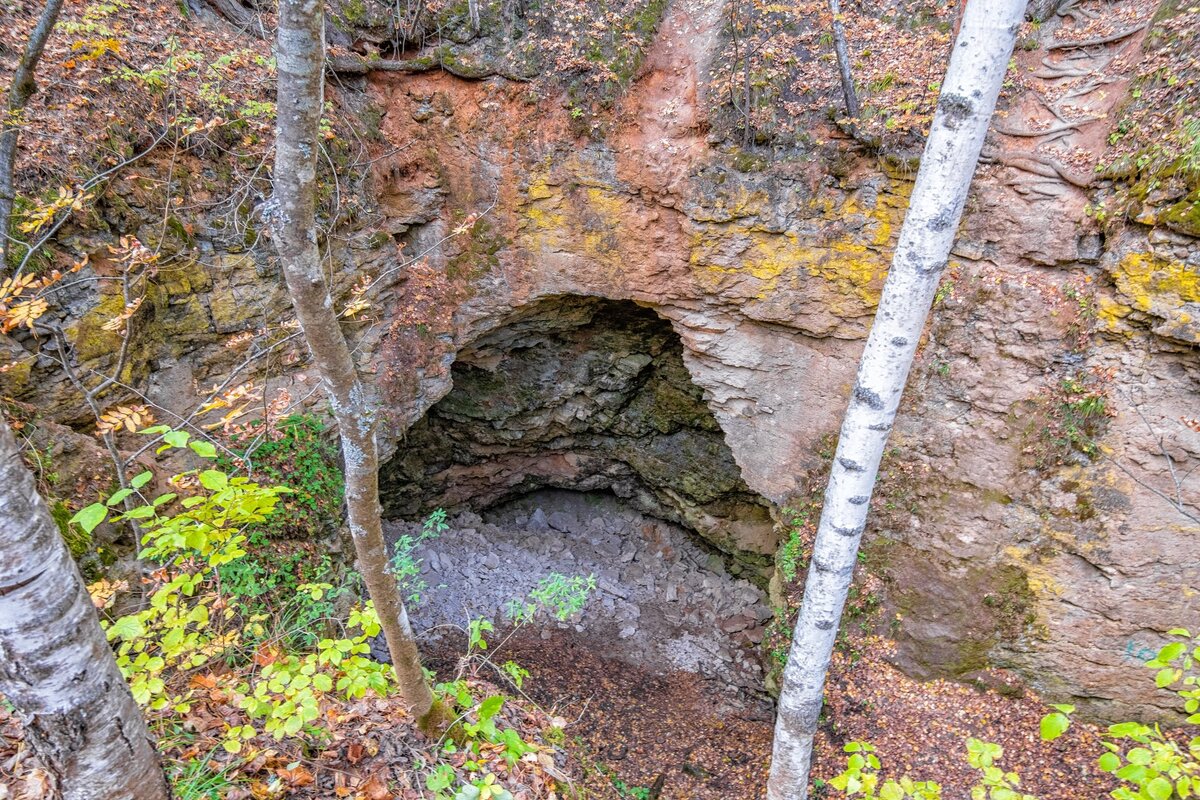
(584, 393)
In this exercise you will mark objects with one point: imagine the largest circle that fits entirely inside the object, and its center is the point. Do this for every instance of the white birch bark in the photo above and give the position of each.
(977, 67)
(56, 667)
(300, 56)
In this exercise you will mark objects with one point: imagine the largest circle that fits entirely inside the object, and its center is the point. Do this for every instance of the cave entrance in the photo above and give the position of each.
(574, 441)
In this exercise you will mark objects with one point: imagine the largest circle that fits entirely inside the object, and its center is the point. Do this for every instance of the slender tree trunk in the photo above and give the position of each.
(56, 666)
(843, 60)
(23, 87)
(968, 97)
(747, 86)
(300, 57)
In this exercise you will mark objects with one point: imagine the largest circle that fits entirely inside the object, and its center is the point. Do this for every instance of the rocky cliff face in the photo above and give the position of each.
(1039, 509)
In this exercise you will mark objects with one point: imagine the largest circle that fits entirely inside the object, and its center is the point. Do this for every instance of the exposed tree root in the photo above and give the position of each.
(357, 65)
(1043, 166)
(1088, 88)
(1071, 10)
(1053, 190)
(1058, 74)
(243, 16)
(1064, 128)
(1099, 40)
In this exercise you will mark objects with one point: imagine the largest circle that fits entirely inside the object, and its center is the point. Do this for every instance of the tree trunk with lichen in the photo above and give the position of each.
(972, 84)
(23, 87)
(56, 667)
(300, 57)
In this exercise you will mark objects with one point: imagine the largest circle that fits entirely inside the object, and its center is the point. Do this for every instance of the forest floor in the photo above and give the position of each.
(651, 690)
(641, 733)
(640, 726)
(637, 733)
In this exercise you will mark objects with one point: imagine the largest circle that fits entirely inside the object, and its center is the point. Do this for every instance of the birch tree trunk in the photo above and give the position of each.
(56, 667)
(968, 97)
(300, 56)
(843, 60)
(23, 87)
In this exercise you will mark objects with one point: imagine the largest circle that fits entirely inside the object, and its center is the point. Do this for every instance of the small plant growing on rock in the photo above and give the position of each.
(405, 566)
(563, 597)
(560, 596)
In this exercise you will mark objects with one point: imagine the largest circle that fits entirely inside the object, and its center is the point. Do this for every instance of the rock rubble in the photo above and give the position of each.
(661, 599)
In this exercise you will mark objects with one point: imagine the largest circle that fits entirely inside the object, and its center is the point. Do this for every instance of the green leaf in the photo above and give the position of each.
(126, 628)
(490, 707)
(1139, 755)
(1134, 773)
(891, 791)
(164, 498)
(141, 479)
(1124, 729)
(1159, 788)
(90, 516)
(177, 438)
(117, 497)
(1065, 708)
(213, 480)
(203, 449)
(1109, 762)
(1171, 652)
(141, 512)
(1165, 677)
(1179, 632)
(322, 682)
(1054, 726)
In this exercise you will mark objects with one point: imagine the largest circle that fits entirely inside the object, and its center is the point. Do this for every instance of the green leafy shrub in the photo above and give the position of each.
(190, 619)
(861, 777)
(272, 585)
(559, 595)
(792, 555)
(299, 455)
(1150, 764)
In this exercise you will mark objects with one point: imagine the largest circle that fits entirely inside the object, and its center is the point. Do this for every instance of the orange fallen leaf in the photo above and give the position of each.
(375, 788)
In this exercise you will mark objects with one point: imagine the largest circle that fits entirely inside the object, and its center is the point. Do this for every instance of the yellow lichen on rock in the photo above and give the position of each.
(852, 267)
(89, 336)
(603, 215)
(1040, 577)
(1159, 287)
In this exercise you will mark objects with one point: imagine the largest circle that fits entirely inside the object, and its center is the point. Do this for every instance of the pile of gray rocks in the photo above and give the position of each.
(661, 600)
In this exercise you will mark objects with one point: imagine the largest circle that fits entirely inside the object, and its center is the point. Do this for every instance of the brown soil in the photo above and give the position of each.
(631, 729)
(637, 734)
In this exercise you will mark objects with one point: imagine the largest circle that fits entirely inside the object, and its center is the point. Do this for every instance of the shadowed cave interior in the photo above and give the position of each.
(574, 441)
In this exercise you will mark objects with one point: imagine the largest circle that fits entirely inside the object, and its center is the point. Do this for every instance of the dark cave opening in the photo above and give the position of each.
(584, 394)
